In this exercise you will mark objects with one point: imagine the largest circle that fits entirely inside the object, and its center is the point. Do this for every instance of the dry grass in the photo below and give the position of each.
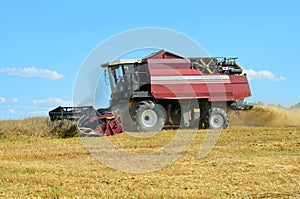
(247, 162)
(36, 127)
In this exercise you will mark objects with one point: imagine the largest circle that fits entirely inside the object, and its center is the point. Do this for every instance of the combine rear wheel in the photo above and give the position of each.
(150, 116)
(218, 119)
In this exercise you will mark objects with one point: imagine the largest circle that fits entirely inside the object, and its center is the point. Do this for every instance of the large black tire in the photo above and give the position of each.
(150, 116)
(218, 119)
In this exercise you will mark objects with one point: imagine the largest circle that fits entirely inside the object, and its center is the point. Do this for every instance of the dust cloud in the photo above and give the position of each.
(266, 116)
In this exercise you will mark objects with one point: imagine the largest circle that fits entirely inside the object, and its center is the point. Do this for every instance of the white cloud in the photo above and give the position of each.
(15, 100)
(52, 101)
(2, 100)
(282, 78)
(263, 74)
(38, 113)
(11, 111)
(32, 72)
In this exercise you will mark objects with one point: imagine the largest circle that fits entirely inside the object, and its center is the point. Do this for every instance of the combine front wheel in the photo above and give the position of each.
(150, 116)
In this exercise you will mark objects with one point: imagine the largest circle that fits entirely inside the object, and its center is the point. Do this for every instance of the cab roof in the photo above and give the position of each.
(121, 61)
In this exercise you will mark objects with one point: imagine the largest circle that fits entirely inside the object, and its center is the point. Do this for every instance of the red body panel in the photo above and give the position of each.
(174, 79)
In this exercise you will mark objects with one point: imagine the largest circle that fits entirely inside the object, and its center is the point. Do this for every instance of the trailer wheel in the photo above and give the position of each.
(150, 116)
(218, 119)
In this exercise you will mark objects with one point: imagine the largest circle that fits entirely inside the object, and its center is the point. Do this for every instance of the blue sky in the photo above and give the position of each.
(44, 43)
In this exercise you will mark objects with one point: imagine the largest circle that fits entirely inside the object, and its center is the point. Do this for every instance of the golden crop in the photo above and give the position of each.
(258, 158)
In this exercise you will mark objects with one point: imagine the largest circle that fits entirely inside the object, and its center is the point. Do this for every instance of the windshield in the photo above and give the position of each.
(119, 74)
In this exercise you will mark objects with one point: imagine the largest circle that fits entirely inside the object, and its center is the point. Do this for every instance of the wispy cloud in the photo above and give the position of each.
(11, 111)
(263, 74)
(15, 100)
(2, 100)
(52, 101)
(32, 72)
(39, 113)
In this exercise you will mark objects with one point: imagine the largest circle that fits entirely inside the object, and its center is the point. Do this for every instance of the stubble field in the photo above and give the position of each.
(258, 156)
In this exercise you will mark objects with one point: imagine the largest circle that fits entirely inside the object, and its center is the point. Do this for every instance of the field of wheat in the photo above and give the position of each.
(258, 156)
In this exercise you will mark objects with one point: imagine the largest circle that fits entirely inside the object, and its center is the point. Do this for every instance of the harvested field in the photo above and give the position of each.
(258, 156)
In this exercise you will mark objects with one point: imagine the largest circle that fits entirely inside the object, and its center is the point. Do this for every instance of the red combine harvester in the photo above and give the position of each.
(167, 90)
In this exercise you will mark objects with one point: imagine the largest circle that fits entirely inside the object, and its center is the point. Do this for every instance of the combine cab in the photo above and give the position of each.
(164, 89)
